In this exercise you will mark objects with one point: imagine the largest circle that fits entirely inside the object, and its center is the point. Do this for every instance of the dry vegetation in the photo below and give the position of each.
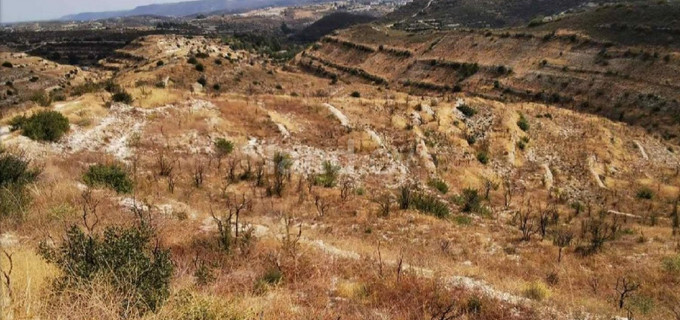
(270, 193)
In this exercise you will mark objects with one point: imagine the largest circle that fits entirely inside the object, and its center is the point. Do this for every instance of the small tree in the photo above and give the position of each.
(384, 202)
(525, 223)
(282, 165)
(562, 239)
(597, 231)
(223, 147)
(624, 288)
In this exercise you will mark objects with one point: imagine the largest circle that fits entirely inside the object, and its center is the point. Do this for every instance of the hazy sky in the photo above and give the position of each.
(29, 10)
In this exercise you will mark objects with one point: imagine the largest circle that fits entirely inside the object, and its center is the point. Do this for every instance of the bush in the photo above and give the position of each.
(121, 258)
(523, 123)
(7, 64)
(111, 176)
(160, 63)
(15, 174)
(430, 204)
(522, 143)
(329, 177)
(483, 157)
(42, 126)
(202, 81)
(645, 193)
(536, 291)
(467, 110)
(470, 200)
(356, 94)
(200, 67)
(438, 184)
(223, 147)
(122, 97)
(192, 60)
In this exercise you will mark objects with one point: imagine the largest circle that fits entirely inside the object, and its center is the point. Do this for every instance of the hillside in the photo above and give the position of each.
(330, 23)
(635, 85)
(634, 24)
(435, 14)
(519, 173)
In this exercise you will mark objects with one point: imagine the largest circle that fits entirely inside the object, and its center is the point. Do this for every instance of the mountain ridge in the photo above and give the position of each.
(186, 8)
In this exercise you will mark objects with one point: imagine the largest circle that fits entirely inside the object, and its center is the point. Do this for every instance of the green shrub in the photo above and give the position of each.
(122, 258)
(467, 110)
(160, 63)
(217, 87)
(41, 99)
(87, 87)
(470, 200)
(15, 174)
(112, 87)
(14, 171)
(483, 157)
(122, 97)
(523, 123)
(200, 67)
(329, 177)
(111, 176)
(223, 147)
(42, 126)
(438, 184)
(645, 193)
(202, 81)
(7, 64)
(521, 145)
(430, 204)
(356, 94)
(192, 60)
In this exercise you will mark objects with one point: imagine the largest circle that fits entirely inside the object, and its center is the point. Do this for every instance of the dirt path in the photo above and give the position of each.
(596, 176)
(642, 150)
(344, 121)
(548, 176)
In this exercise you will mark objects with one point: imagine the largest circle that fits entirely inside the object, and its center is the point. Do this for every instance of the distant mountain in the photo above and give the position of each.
(188, 8)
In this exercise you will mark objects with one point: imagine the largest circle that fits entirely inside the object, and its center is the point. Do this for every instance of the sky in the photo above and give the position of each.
(30, 10)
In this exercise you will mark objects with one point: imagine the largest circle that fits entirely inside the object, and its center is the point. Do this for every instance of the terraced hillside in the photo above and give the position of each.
(434, 14)
(635, 85)
(380, 174)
